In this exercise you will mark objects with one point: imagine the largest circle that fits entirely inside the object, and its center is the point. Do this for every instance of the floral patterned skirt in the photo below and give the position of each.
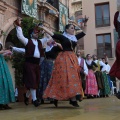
(65, 81)
(45, 75)
(91, 84)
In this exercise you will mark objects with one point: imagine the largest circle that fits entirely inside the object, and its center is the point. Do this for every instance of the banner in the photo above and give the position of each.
(29, 7)
(63, 16)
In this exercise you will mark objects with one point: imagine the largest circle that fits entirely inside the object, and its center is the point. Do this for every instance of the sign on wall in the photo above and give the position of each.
(63, 16)
(29, 7)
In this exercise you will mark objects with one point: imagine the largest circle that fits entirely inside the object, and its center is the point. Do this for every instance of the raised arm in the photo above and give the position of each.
(53, 35)
(47, 30)
(20, 35)
(80, 35)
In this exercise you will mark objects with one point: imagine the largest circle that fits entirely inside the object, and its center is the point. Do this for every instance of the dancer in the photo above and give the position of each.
(83, 68)
(51, 51)
(33, 52)
(115, 69)
(91, 84)
(65, 83)
(6, 86)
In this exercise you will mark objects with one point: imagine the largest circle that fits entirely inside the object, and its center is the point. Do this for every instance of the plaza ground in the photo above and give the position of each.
(90, 109)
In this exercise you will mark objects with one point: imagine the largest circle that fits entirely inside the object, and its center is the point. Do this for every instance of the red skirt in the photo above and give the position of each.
(65, 82)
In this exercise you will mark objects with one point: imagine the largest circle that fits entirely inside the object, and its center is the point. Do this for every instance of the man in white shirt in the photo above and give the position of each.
(83, 67)
(33, 52)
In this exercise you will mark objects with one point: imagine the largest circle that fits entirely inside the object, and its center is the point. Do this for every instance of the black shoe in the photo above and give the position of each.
(74, 103)
(51, 102)
(26, 100)
(107, 95)
(1, 107)
(55, 102)
(118, 95)
(42, 101)
(6, 107)
(36, 103)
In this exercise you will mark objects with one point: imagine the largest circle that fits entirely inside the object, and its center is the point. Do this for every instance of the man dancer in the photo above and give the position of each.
(33, 52)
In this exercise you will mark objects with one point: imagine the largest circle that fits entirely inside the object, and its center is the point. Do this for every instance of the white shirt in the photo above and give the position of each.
(101, 64)
(35, 42)
(18, 50)
(85, 66)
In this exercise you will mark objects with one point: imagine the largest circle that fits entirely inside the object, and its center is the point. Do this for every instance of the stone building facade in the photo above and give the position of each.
(11, 9)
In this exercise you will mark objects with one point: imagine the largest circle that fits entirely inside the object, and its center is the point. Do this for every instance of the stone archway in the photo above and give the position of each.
(7, 28)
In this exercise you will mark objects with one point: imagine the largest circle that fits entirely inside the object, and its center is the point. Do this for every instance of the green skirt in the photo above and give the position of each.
(6, 86)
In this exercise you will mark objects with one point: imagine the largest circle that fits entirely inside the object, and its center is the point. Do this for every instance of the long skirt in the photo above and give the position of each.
(6, 85)
(91, 84)
(100, 80)
(65, 81)
(45, 75)
(106, 90)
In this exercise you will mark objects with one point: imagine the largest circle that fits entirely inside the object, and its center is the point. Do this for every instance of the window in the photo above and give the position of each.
(104, 45)
(102, 15)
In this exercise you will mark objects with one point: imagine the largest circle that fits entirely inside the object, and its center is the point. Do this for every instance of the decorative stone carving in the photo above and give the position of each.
(2, 9)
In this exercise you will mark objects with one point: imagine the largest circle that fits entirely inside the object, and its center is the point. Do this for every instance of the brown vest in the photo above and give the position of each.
(30, 48)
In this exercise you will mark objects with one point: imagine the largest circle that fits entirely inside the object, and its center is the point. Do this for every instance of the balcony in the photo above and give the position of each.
(76, 1)
(45, 6)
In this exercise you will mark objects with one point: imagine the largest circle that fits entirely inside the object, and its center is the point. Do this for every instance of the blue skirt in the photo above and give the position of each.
(45, 75)
(6, 86)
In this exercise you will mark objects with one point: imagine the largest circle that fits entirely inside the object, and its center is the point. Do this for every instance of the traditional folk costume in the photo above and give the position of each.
(6, 86)
(83, 71)
(98, 74)
(33, 52)
(51, 53)
(106, 90)
(65, 82)
(107, 72)
(91, 83)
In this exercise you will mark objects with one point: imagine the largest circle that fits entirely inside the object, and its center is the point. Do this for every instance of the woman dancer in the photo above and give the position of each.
(6, 86)
(51, 52)
(65, 83)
